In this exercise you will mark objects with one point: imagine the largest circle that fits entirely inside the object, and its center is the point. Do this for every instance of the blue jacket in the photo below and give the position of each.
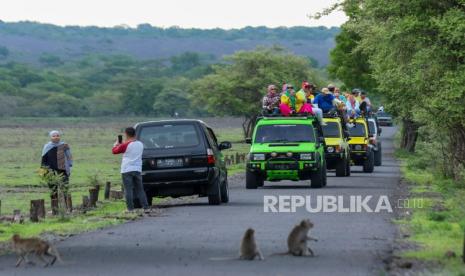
(324, 102)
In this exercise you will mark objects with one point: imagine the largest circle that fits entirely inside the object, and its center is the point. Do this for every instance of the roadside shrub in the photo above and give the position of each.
(437, 216)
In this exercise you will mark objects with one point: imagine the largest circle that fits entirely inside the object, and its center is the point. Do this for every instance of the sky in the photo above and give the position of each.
(204, 14)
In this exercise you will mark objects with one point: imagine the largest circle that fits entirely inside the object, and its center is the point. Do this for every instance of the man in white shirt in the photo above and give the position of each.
(131, 168)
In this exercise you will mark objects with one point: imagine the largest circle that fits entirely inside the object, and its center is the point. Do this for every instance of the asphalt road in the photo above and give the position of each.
(185, 237)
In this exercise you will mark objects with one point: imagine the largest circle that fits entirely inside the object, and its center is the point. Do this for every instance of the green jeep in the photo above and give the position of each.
(286, 148)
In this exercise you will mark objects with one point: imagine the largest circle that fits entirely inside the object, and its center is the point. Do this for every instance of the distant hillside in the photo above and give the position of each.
(29, 41)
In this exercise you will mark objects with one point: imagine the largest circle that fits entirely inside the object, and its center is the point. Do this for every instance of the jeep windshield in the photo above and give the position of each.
(331, 130)
(358, 130)
(169, 136)
(284, 134)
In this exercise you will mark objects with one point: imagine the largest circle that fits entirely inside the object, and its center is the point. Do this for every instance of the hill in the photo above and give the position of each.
(31, 41)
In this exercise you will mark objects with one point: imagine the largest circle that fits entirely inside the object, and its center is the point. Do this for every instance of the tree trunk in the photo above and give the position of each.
(463, 253)
(248, 125)
(456, 149)
(409, 135)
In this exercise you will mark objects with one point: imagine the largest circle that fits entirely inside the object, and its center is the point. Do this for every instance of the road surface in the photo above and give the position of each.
(185, 237)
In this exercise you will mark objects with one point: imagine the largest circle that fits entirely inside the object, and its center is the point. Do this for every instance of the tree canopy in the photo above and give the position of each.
(415, 53)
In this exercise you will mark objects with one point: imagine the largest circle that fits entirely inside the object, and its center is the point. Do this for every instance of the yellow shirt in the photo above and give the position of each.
(300, 100)
(311, 97)
(285, 100)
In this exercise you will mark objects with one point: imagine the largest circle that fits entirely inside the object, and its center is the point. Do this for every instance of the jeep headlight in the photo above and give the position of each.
(306, 156)
(330, 149)
(258, 157)
(358, 147)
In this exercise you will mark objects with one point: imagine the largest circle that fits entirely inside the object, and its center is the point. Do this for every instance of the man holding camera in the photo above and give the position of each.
(131, 168)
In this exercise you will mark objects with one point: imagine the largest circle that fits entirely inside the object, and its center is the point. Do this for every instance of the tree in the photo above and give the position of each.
(349, 63)
(173, 98)
(4, 52)
(104, 103)
(50, 60)
(138, 96)
(184, 62)
(64, 105)
(416, 55)
(237, 86)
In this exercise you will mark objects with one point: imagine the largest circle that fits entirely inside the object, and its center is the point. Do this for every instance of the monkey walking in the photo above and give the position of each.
(297, 240)
(24, 246)
(249, 249)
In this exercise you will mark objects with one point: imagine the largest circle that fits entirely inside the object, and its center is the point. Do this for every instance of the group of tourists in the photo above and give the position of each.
(308, 100)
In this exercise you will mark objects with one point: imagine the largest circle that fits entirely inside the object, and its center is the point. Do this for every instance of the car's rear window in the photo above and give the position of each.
(358, 130)
(284, 133)
(169, 136)
(371, 127)
(331, 130)
(383, 114)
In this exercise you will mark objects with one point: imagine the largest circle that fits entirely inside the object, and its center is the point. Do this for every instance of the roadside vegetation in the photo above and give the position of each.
(437, 222)
(91, 140)
(412, 54)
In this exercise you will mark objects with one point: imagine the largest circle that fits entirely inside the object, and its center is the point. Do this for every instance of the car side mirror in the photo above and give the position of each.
(248, 140)
(370, 135)
(349, 138)
(224, 145)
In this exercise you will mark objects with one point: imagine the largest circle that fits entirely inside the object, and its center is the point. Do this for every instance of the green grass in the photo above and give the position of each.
(91, 140)
(439, 226)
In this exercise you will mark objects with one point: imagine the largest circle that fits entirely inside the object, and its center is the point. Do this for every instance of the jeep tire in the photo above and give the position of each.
(348, 167)
(317, 179)
(252, 180)
(379, 156)
(341, 167)
(369, 163)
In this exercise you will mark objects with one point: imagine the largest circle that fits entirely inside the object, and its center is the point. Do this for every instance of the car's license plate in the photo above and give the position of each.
(281, 166)
(170, 163)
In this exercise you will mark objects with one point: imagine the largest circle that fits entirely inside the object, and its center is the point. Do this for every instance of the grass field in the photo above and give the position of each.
(90, 140)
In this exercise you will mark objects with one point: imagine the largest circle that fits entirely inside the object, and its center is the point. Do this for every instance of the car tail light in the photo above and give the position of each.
(337, 148)
(210, 157)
